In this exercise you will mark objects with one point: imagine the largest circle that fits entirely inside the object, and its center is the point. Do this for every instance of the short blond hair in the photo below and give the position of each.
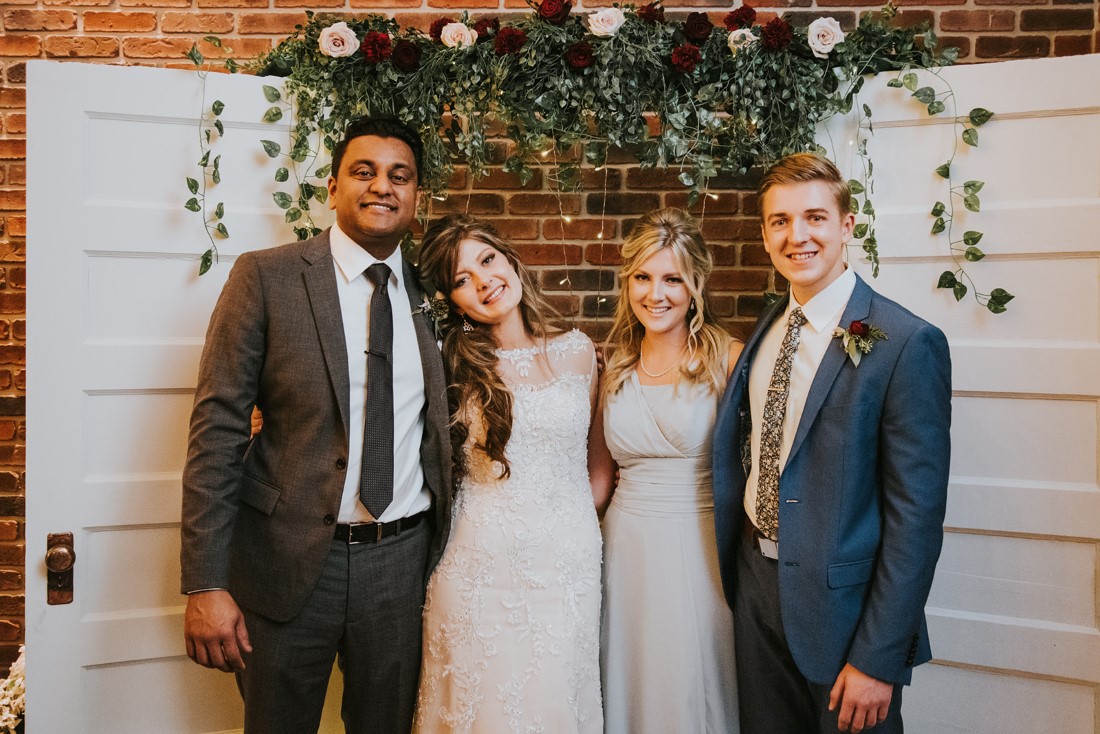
(804, 168)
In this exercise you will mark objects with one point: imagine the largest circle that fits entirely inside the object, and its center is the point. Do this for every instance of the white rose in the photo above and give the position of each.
(338, 40)
(823, 34)
(739, 39)
(606, 22)
(457, 35)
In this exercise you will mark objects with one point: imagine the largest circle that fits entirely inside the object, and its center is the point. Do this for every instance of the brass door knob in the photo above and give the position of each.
(60, 558)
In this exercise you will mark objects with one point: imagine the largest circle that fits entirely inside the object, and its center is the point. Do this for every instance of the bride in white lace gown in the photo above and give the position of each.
(511, 621)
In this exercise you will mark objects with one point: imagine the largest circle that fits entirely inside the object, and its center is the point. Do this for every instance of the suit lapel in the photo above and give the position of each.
(324, 301)
(859, 305)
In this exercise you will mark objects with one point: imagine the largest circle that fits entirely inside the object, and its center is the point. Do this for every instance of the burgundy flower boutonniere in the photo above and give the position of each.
(858, 339)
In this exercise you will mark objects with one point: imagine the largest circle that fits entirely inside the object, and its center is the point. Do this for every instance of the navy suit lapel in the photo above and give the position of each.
(859, 305)
(324, 301)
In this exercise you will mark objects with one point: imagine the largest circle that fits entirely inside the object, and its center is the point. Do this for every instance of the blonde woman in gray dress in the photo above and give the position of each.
(667, 633)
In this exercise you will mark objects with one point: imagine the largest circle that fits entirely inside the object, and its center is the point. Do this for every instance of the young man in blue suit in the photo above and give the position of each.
(831, 455)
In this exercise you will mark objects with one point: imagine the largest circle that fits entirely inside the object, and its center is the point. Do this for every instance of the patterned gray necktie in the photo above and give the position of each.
(771, 434)
(376, 481)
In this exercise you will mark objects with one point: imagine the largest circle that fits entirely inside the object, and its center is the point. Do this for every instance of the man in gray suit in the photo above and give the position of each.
(831, 455)
(313, 541)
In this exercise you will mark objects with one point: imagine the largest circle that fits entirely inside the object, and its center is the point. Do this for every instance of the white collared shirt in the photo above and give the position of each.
(410, 495)
(823, 313)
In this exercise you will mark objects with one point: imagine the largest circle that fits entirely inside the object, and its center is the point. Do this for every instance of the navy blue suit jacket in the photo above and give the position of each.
(861, 496)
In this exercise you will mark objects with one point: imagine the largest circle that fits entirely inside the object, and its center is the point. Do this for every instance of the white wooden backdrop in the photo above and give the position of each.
(117, 316)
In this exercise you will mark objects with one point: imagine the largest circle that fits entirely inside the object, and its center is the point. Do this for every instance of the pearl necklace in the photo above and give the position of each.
(653, 375)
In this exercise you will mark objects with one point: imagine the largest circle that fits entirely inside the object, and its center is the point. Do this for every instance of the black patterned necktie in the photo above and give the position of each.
(771, 434)
(376, 481)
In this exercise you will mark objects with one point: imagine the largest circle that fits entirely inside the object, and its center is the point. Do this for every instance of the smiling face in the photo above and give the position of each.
(375, 192)
(485, 287)
(658, 295)
(805, 234)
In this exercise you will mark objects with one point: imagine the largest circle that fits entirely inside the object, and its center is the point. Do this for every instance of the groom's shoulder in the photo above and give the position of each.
(290, 253)
(898, 316)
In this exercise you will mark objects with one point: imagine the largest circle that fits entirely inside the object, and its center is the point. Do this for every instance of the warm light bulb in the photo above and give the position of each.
(567, 219)
(713, 197)
(599, 235)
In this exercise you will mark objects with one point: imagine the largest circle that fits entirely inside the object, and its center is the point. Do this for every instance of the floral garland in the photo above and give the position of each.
(13, 691)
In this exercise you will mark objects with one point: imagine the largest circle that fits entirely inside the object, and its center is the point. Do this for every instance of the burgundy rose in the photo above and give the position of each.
(776, 35)
(555, 11)
(857, 328)
(406, 56)
(743, 17)
(485, 28)
(376, 47)
(697, 27)
(436, 29)
(580, 55)
(509, 41)
(652, 13)
(685, 58)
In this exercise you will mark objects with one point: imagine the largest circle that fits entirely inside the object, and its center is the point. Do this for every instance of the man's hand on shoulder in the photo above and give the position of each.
(864, 701)
(213, 628)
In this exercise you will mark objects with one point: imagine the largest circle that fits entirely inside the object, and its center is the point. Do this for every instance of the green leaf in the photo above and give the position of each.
(206, 132)
(271, 148)
(944, 171)
(218, 107)
(219, 210)
(973, 254)
(282, 175)
(1001, 296)
(221, 230)
(687, 179)
(938, 209)
(947, 280)
(853, 205)
(895, 83)
(221, 128)
(971, 238)
(909, 81)
(192, 185)
(273, 114)
(216, 174)
(213, 41)
(973, 187)
(959, 289)
(205, 160)
(855, 186)
(972, 202)
(936, 107)
(860, 231)
(271, 94)
(195, 55)
(979, 116)
(925, 95)
(970, 136)
(323, 171)
(231, 66)
(305, 191)
(939, 225)
(866, 109)
(206, 261)
(321, 194)
(192, 205)
(282, 199)
(995, 307)
(293, 215)
(868, 208)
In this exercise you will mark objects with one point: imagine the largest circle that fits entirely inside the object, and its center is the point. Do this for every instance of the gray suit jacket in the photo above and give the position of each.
(861, 497)
(258, 516)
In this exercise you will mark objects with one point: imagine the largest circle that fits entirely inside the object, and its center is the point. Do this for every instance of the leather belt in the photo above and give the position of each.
(372, 532)
(768, 548)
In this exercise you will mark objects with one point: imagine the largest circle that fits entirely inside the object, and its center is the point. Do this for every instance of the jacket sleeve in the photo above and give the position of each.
(228, 380)
(914, 460)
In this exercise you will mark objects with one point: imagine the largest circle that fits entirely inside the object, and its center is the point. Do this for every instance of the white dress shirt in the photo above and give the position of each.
(410, 495)
(822, 313)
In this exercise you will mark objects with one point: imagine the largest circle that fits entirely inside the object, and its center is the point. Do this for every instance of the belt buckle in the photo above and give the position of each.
(768, 548)
(378, 534)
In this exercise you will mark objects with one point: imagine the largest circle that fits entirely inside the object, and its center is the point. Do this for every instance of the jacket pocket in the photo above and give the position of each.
(259, 495)
(850, 574)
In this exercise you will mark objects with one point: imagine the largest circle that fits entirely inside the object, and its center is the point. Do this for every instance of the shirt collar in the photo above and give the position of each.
(352, 259)
(823, 311)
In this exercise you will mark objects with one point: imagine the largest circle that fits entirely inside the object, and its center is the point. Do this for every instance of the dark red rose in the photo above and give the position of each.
(436, 29)
(743, 17)
(554, 11)
(406, 56)
(376, 47)
(652, 13)
(776, 35)
(580, 55)
(857, 328)
(685, 58)
(485, 27)
(509, 41)
(697, 27)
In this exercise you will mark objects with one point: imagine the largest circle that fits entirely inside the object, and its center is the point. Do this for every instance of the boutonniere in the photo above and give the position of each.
(434, 307)
(858, 339)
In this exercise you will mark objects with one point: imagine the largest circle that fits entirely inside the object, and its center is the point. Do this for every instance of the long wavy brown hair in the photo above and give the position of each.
(708, 343)
(470, 356)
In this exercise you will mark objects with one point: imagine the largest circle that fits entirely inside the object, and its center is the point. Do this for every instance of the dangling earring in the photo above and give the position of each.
(467, 327)
(692, 308)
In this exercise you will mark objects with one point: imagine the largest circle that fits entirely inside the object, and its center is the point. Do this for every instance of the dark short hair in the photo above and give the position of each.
(382, 126)
(804, 168)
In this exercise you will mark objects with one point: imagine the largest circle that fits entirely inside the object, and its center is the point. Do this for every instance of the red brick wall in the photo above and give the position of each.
(158, 32)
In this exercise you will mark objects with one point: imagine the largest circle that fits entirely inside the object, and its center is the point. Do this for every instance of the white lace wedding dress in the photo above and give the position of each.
(511, 621)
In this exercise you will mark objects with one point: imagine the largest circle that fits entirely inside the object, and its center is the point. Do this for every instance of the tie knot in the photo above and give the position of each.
(797, 317)
(379, 274)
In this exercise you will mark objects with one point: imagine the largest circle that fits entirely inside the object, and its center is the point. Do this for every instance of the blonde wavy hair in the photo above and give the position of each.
(470, 355)
(708, 343)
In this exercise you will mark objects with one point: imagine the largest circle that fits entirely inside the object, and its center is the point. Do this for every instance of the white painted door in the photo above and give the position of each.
(117, 314)
(1013, 611)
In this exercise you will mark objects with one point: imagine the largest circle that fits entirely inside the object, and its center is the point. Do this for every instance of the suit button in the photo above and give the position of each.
(341, 463)
(329, 519)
